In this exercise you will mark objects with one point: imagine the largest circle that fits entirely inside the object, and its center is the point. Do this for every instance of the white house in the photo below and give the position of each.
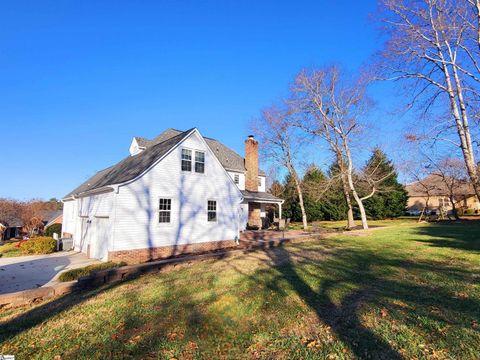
(178, 193)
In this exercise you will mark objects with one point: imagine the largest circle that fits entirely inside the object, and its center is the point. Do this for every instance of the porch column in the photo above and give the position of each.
(280, 210)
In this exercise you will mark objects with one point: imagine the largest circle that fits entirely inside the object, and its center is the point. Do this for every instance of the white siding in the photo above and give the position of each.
(68, 222)
(241, 179)
(85, 211)
(96, 205)
(261, 187)
(136, 222)
(241, 183)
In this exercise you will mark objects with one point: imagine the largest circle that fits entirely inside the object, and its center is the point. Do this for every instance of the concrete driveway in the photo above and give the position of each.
(28, 272)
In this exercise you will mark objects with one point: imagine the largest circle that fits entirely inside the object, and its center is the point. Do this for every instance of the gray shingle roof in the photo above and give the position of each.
(130, 167)
(229, 159)
(259, 196)
(434, 185)
(142, 142)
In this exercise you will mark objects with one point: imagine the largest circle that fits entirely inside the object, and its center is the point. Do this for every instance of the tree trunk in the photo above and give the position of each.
(293, 173)
(459, 113)
(346, 194)
(302, 207)
(359, 201)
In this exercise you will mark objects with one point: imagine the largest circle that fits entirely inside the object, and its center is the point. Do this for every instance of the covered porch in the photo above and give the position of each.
(255, 208)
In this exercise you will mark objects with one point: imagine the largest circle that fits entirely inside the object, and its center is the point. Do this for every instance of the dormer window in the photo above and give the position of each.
(199, 162)
(186, 160)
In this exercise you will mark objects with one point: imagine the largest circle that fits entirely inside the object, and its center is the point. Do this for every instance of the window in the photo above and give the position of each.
(444, 202)
(186, 160)
(165, 208)
(199, 162)
(236, 179)
(212, 210)
(259, 181)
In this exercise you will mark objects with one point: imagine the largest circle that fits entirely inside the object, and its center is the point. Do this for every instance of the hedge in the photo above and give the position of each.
(39, 245)
(75, 274)
(54, 228)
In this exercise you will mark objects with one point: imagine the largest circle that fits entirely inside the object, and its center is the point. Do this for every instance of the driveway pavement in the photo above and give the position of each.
(28, 272)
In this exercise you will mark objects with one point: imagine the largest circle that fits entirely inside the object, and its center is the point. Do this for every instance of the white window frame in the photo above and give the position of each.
(191, 159)
(170, 210)
(208, 211)
(194, 169)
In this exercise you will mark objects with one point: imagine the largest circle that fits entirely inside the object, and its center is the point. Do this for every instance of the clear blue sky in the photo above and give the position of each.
(78, 79)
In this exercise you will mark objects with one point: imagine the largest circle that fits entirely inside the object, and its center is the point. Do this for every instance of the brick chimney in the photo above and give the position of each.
(251, 164)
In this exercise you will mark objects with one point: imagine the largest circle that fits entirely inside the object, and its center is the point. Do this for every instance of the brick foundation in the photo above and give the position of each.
(137, 256)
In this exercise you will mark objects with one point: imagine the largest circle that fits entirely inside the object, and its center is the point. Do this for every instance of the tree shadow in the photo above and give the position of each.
(369, 275)
(461, 234)
(38, 314)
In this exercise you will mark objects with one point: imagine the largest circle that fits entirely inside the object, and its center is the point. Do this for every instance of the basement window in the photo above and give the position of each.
(165, 208)
(199, 162)
(212, 210)
(186, 160)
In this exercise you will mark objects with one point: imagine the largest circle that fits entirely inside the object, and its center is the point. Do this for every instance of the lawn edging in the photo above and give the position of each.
(103, 277)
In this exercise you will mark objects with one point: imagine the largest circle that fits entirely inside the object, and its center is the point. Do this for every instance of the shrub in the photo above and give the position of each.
(75, 274)
(39, 245)
(54, 228)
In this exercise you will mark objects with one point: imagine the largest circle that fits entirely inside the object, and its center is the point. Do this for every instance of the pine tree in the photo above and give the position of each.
(391, 197)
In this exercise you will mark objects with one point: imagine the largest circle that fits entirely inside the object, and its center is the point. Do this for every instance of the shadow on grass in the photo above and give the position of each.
(462, 234)
(44, 312)
(338, 284)
(380, 279)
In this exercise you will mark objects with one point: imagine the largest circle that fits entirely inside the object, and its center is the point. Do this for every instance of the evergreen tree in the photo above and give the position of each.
(391, 197)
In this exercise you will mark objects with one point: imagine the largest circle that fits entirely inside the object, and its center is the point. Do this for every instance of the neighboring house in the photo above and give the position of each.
(433, 190)
(12, 229)
(178, 193)
(52, 217)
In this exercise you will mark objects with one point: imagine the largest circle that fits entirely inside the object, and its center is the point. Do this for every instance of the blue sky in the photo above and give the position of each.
(79, 79)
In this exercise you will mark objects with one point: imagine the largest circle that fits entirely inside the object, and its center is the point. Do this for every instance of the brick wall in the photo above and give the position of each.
(251, 164)
(254, 212)
(143, 255)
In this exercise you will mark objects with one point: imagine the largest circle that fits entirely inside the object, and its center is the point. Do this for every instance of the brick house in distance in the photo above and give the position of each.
(178, 193)
(433, 190)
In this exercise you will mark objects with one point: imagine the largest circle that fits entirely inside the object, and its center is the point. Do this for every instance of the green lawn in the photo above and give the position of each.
(407, 291)
(341, 224)
(10, 249)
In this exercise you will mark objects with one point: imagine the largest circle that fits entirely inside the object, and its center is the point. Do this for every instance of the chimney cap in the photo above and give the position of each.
(251, 136)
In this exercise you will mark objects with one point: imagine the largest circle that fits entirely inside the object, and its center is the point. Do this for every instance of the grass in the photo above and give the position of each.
(341, 224)
(10, 249)
(75, 274)
(407, 291)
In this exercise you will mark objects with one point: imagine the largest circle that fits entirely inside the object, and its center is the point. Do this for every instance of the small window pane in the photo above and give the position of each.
(199, 156)
(186, 160)
(236, 178)
(186, 154)
(199, 162)
(212, 210)
(165, 207)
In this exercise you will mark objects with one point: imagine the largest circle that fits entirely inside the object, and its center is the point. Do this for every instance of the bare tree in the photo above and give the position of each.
(281, 143)
(451, 172)
(436, 44)
(10, 214)
(330, 107)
